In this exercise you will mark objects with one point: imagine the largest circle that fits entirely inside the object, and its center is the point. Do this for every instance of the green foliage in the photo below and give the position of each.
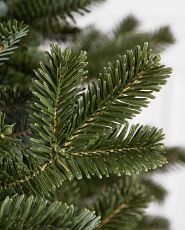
(11, 32)
(53, 19)
(46, 9)
(42, 15)
(121, 206)
(66, 144)
(120, 93)
(105, 47)
(70, 136)
(78, 130)
(127, 149)
(55, 90)
(34, 213)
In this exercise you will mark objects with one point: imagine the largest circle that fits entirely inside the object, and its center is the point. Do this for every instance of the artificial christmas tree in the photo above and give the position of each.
(79, 134)
(69, 128)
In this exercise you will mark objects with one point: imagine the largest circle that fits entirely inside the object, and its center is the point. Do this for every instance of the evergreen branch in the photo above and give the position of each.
(34, 11)
(54, 92)
(136, 137)
(103, 48)
(121, 206)
(23, 174)
(119, 94)
(100, 151)
(34, 213)
(76, 132)
(120, 151)
(11, 33)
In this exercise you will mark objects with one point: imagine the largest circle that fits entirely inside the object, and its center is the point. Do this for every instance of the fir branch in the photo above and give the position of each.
(42, 12)
(138, 151)
(34, 213)
(120, 93)
(11, 33)
(128, 150)
(55, 90)
(56, 154)
(122, 205)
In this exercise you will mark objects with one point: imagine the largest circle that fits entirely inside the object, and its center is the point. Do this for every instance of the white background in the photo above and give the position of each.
(168, 110)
